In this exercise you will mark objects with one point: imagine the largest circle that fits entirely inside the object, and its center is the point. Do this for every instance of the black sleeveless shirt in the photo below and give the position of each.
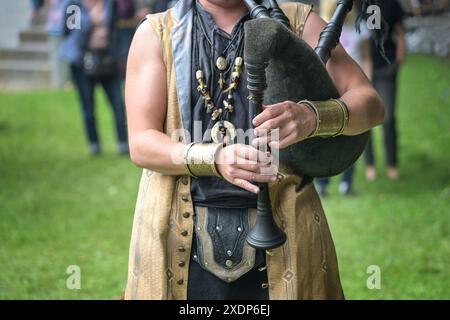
(214, 191)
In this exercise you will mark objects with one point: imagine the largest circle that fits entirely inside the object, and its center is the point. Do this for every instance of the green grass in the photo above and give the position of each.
(60, 207)
(403, 227)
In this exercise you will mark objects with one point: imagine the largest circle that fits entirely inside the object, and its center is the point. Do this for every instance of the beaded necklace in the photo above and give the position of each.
(223, 130)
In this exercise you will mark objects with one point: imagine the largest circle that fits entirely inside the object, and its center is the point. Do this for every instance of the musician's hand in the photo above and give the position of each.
(239, 164)
(295, 122)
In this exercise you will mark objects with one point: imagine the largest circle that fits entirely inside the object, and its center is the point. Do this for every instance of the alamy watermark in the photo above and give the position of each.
(374, 280)
(374, 17)
(73, 281)
(242, 136)
(73, 21)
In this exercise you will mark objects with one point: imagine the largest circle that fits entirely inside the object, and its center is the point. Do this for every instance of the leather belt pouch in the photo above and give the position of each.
(221, 246)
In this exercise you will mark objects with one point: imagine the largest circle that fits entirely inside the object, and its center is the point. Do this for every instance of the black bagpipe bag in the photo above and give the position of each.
(295, 72)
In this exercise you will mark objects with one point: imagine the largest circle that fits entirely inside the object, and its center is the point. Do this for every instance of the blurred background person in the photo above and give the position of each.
(128, 15)
(92, 53)
(357, 44)
(385, 82)
(55, 29)
(143, 8)
(162, 5)
(125, 25)
(37, 5)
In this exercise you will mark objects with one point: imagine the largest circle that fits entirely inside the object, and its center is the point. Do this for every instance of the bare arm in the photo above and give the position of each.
(146, 101)
(365, 106)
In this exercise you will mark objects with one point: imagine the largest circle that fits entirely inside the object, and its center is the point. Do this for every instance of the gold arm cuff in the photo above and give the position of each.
(346, 115)
(200, 159)
(185, 159)
(332, 117)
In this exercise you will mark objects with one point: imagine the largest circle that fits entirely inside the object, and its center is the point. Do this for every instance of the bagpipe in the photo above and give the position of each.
(281, 66)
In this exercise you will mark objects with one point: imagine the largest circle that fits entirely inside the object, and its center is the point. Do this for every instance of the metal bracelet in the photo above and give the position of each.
(313, 108)
(200, 159)
(346, 115)
(185, 159)
(332, 117)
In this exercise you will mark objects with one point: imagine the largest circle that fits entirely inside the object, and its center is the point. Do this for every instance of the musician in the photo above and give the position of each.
(186, 74)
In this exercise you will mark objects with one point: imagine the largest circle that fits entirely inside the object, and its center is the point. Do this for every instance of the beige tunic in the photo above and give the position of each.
(305, 267)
